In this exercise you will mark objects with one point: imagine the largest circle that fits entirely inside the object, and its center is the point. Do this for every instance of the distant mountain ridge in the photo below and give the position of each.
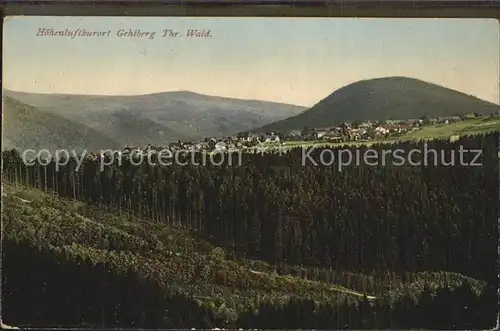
(383, 99)
(115, 121)
(180, 115)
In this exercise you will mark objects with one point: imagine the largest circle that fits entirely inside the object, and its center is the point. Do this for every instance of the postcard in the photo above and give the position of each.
(250, 173)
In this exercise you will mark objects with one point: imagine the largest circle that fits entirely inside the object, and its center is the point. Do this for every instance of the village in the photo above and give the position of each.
(345, 132)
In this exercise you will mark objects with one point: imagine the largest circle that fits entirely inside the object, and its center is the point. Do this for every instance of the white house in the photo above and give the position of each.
(320, 134)
(272, 139)
(381, 130)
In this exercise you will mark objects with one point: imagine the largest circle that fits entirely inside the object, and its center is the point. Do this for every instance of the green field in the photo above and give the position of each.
(462, 128)
(439, 131)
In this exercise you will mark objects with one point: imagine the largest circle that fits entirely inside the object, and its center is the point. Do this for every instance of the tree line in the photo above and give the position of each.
(365, 219)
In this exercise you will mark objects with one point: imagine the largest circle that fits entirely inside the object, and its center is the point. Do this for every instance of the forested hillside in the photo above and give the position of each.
(27, 127)
(270, 243)
(385, 98)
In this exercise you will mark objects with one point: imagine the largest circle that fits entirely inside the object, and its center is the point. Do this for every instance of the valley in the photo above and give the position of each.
(266, 242)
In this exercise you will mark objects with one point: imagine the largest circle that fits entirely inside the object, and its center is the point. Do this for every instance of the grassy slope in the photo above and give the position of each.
(173, 257)
(462, 128)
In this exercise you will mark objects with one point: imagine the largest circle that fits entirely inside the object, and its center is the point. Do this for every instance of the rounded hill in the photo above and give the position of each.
(383, 99)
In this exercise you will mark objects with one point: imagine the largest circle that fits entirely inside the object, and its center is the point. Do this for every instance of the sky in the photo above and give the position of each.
(292, 60)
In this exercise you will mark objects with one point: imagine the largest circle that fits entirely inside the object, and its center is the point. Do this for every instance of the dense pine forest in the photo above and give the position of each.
(268, 243)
